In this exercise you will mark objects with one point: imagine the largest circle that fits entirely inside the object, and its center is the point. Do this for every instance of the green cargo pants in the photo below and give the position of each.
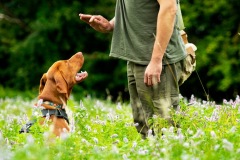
(147, 101)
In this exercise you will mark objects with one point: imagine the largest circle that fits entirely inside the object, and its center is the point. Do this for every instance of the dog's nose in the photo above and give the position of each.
(79, 53)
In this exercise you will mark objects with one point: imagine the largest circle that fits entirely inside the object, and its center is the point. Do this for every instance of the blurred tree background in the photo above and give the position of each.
(34, 34)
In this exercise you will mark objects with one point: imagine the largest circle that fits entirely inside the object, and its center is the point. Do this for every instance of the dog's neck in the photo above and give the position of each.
(49, 104)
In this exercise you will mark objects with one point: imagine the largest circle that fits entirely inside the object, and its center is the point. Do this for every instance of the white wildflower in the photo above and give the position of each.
(134, 144)
(198, 134)
(155, 116)
(136, 124)
(195, 114)
(110, 117)
(81, 106)
(96, 149)
(233, 129)
(39, 103)
(119, 106)
(164, 137)
(216, 147)
(35, 113)
(125, 140)
(142, 151)
(163, 150)
(64, 134)
(114, 136)
(189, 131)
(117, 117)
(97, 116)
(214, 117)
(84, 141)
(227, 145)
(225, 101)
(103, 148)
(192, 99)
(46, 135)
(81, 151)
(47, 118)
(127, 124)
(213, 134)
(205, 102)
(185, 156)
(30, 139)
(125, 157)
(237, 99)
(95, 140)
(5, 152)
(180, 135)
(115, 149)
(88, 128)
(164, 130)
(186, 144)
(103, 123)
(171, 129)
(150, 133)
(116, 142)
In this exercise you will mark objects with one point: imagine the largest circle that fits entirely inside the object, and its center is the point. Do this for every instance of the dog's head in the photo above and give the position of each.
(69, 68)
(64, 74)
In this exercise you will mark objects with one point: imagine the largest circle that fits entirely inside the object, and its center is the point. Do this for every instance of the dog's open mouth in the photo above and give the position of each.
(81, 76)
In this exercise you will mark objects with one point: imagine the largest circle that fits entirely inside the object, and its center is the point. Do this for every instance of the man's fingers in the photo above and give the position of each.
(95, 18)
(91, 19)
(145, 79)
(155, 80)
(85, 17)
(151, 80)
(148, 80)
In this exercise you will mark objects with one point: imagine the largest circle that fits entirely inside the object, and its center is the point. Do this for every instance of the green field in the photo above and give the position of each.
(104, 130)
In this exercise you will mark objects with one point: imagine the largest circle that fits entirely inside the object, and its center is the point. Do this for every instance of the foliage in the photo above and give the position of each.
(214, 27)
(34, 34)
(104, 130)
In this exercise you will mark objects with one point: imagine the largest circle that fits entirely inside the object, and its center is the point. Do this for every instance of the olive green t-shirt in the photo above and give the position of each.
(134, 30)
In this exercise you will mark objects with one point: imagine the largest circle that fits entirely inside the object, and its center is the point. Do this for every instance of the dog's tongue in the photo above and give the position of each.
(81, 76)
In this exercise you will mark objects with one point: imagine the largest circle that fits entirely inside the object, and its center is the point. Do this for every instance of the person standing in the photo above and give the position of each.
(145, 34)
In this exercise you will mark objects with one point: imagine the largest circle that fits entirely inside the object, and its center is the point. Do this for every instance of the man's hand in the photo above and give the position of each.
(165, 26)
(153, 73)
(98, 22)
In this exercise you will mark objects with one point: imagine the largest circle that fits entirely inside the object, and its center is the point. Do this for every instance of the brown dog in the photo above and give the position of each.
(54, 91)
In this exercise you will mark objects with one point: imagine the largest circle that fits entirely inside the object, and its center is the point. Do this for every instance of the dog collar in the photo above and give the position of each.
(58, 113)
(41, 101)
(57, 106)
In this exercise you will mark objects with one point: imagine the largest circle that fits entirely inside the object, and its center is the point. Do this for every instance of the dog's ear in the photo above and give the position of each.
(67, 74)
(42, 82)
(60, 82)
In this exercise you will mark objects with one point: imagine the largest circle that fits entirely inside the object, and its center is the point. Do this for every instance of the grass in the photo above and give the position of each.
(103, 130)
